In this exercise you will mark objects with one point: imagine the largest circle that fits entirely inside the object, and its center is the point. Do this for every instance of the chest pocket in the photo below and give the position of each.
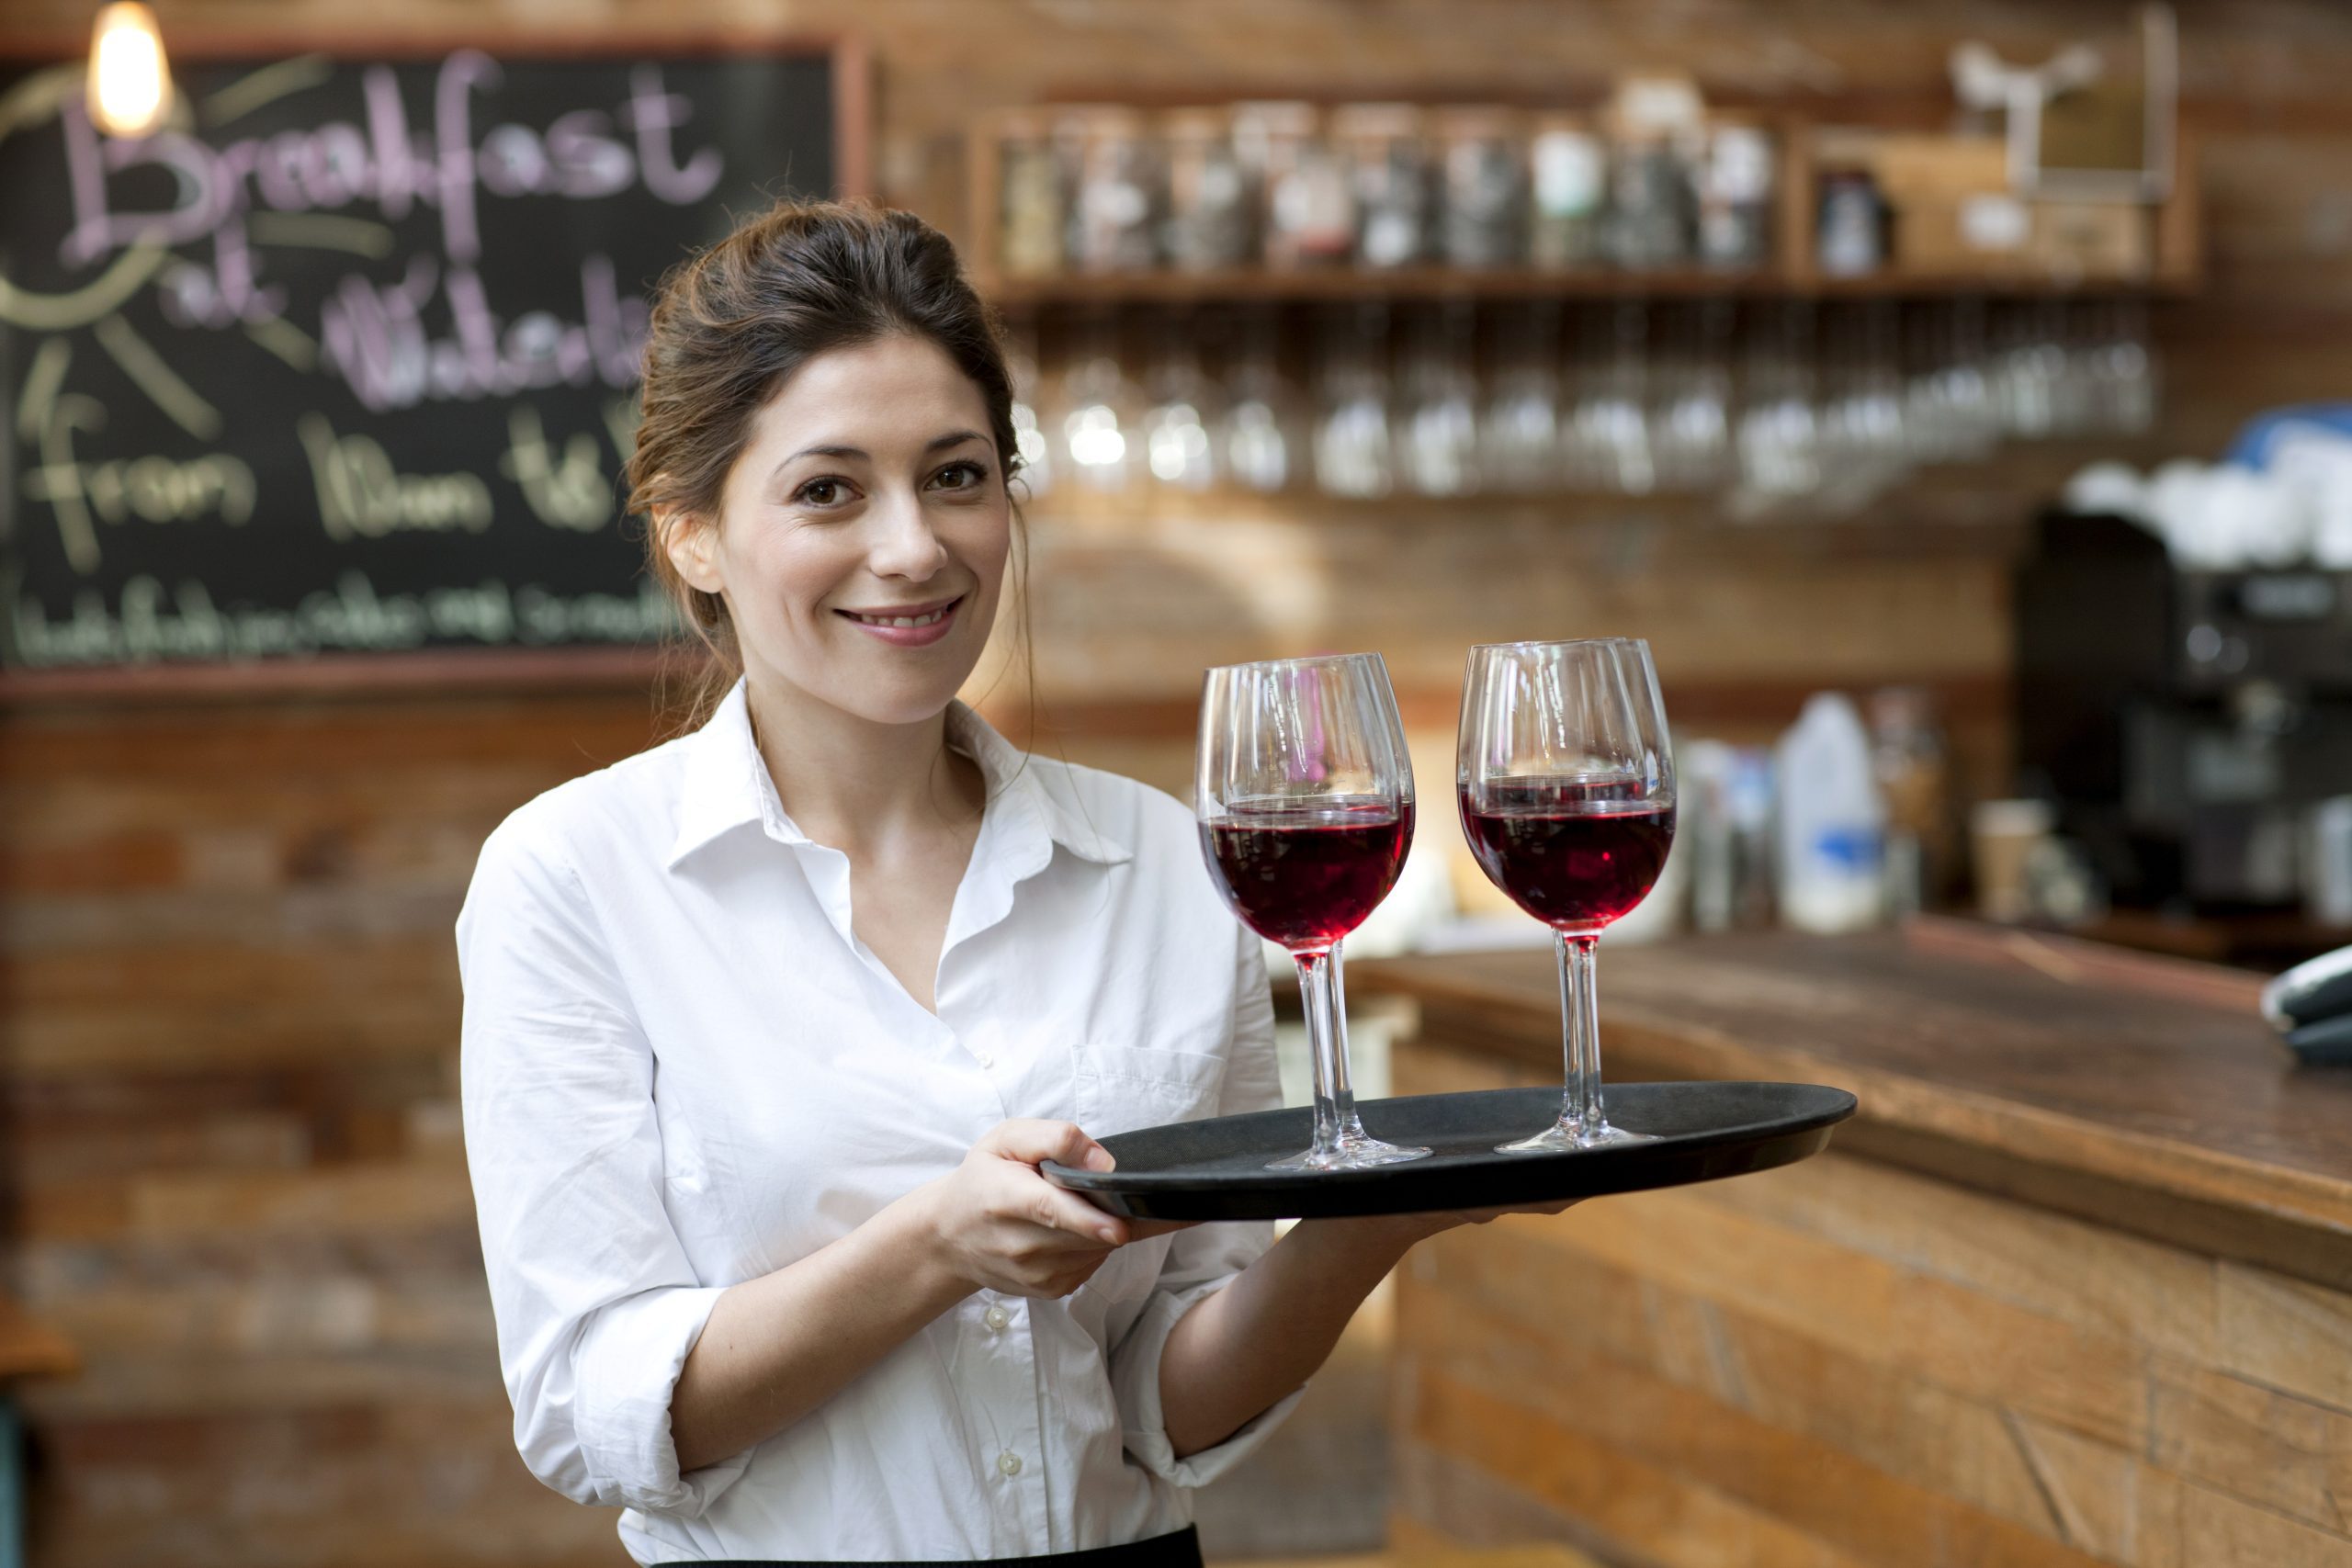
(1123, 1088)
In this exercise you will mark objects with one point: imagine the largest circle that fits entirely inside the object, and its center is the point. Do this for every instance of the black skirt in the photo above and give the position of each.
(1182, 1550)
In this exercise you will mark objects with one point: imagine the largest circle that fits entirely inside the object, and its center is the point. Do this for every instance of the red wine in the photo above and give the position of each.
(1575, 853)
(1306, 877)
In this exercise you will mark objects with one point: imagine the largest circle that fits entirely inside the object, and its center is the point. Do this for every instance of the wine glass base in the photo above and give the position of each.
(1562, 1138)
(1351, 1153)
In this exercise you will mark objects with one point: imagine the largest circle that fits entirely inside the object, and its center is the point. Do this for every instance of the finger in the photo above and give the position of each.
(1033, 1141)
(1072, 1215)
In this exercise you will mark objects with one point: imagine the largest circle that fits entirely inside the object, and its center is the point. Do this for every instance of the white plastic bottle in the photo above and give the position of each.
(1832, 820)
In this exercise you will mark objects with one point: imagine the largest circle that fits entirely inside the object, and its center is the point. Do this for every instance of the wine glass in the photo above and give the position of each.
(1304, 796)
(1567, 799)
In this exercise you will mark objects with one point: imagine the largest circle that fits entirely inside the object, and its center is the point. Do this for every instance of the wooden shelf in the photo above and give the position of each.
(1264, 285)
(2176, 261)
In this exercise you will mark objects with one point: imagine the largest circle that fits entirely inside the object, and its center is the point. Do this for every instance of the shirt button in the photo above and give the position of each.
(985, 1059)
(996, 1317)
(1008, 1462)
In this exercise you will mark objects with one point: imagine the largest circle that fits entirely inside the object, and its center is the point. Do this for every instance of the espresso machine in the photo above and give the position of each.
(2187, 724)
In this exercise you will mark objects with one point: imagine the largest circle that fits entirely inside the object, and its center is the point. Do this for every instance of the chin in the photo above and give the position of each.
(896, 697)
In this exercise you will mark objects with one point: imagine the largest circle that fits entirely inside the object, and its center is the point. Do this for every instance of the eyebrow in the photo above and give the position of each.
(936, 444)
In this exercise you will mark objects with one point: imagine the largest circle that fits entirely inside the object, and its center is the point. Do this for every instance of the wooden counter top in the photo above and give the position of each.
(2145, 1093)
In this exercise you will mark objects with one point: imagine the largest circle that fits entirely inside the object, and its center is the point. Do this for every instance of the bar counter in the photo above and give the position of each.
(2075, 1286)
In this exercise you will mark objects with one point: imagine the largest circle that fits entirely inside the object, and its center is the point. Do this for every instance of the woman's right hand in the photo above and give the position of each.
(1004, 1228)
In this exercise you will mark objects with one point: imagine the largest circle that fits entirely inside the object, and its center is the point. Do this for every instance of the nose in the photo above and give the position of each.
(905, 544)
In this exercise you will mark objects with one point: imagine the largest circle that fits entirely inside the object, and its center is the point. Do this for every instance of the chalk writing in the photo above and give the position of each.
(361, 495)
(80, 494)
(345, 355)
(148, 624)
(376, 337)
(386, 165)
(567, 491)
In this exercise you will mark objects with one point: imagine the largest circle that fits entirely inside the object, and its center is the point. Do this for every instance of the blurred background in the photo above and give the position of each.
(1945, 389)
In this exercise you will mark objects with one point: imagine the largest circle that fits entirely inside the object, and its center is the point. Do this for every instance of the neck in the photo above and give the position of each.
(850, 783)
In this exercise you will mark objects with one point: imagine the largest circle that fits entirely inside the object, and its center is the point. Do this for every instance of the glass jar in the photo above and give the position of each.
(1650, 205)
(1211, 207)
(1310, 208)
(1034, 189)
(1485, 207)
(1568, 184)
(1852, 236)
(1119, 192)
(1387, 157)
(1735, 187)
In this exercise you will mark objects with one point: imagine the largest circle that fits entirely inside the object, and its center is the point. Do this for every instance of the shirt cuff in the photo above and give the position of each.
(628, 1365)
(1135, 1383)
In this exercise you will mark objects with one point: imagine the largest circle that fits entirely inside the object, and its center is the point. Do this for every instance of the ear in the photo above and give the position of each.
(692, 544)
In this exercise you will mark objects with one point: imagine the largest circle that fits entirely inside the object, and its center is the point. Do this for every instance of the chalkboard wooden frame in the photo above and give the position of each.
(581, 667)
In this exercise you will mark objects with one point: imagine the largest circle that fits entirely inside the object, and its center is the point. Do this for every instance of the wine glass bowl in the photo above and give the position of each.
(1303, 794)
(1306, 877)
(1566, 791)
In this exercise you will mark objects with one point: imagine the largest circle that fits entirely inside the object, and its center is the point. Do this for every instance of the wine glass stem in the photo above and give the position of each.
(1334, 1104)
(1580, 1028)
(1343, 1072)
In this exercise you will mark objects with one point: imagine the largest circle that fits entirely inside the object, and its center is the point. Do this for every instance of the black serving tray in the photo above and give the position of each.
(1215, 1169)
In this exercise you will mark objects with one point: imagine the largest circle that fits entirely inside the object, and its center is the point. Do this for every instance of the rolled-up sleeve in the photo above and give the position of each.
(1203, 1260)
(596, 1303)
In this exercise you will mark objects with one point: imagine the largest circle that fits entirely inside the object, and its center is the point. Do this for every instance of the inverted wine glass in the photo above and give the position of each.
(1305, 798)
(1566, 790)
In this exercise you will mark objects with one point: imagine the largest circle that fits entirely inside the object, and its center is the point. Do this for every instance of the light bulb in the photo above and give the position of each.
(131, 88)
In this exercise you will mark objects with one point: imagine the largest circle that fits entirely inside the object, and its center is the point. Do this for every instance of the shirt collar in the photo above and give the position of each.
(727, 786)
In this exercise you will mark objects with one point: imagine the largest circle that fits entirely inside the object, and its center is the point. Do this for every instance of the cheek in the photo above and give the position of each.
(987, 547)
(780, 578)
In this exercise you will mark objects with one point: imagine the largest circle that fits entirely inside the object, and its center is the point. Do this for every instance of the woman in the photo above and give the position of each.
(767, 1029)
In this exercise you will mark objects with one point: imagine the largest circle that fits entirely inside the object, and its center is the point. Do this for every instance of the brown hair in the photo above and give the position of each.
(733, 323)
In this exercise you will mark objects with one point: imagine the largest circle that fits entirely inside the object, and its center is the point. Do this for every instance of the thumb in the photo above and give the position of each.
(1035, 1142)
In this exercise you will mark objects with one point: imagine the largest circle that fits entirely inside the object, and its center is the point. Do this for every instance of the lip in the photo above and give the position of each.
(908, 636)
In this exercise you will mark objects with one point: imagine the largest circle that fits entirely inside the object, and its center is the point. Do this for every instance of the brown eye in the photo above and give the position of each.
(821, 492)
(961, 475)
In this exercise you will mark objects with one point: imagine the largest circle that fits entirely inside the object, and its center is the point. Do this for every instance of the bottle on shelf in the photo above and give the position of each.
(1035, 179)
(1212, 222)
(1568, 191)
(1387, 155)
(1734, 199)
(1120, 187)
(1309, 204)
(1483, 153)
(1832, 821)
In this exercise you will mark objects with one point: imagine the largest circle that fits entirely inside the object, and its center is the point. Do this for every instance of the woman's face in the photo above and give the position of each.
(870, 495)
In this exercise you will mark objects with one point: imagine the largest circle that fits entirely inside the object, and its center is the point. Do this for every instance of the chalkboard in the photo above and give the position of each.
(343, 361)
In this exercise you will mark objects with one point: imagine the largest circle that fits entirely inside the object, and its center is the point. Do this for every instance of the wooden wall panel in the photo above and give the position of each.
(228, 1001)
(1904, 1370)
(234, 1168)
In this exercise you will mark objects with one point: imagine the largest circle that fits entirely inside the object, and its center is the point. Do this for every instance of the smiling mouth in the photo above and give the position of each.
(931, 617)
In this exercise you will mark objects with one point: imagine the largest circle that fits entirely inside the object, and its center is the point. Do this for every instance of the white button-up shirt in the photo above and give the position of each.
(683, 1069)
